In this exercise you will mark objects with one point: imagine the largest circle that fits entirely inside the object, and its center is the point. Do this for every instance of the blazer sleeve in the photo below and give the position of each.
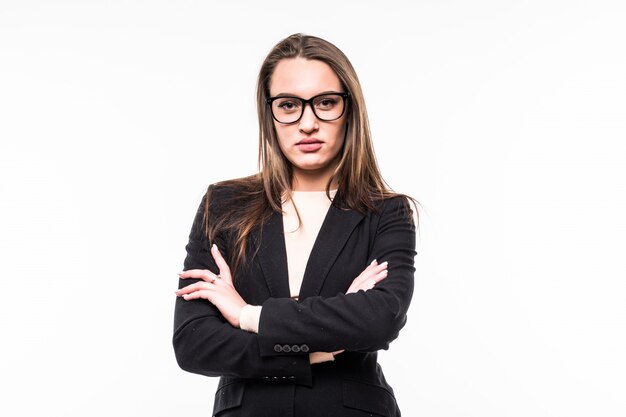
(364, 321)
(205, 343)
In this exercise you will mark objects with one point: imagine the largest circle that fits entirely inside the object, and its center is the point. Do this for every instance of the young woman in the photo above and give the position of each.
(296, 276)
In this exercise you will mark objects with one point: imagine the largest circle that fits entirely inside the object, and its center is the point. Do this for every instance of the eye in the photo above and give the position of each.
(326, 103)
(287, 105)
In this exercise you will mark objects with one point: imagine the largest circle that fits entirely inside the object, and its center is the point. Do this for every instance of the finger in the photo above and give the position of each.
(221, 263)
(380, 276)
(179, 292)
(201, 285)
(197, 294)
(371, 266)
(367, 283)
(381, 267)
(375, 268)
(371, 272)
(359, 282)
(370, 283)
(363, 285)
(203, 274)
(371, 269)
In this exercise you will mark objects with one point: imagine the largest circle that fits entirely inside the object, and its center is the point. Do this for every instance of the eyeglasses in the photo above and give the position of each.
(326, 107)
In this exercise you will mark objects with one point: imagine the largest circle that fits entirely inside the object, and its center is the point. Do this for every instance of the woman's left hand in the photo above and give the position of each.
(217, 289)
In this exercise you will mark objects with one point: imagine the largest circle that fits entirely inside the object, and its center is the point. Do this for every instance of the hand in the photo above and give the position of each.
(372, 275)
(217, 289)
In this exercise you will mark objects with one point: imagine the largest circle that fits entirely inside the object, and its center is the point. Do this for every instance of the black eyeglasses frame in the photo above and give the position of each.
(344, 97)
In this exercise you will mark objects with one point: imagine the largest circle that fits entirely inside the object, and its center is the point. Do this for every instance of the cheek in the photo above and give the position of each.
(284, 136)
(339, 134)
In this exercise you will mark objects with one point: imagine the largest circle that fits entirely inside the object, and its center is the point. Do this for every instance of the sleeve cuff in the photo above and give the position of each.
(249, 318)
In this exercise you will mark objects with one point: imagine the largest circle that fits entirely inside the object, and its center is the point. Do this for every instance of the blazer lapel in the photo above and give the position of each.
(333, 235)
(272, 255)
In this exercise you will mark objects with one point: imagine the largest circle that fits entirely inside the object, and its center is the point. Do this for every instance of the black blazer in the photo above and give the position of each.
(268, 374)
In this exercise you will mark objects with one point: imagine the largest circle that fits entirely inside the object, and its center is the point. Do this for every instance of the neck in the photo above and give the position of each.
(307, 180)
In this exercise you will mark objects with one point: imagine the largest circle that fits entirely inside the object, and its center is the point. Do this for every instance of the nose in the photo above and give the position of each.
(308, 122)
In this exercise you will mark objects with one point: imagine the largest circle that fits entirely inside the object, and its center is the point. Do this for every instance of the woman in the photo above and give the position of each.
(296, 276)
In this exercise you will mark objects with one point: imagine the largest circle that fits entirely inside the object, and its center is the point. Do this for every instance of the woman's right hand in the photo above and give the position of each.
(372, 275)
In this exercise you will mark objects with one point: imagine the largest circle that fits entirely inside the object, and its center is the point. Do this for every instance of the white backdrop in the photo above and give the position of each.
(505, 119)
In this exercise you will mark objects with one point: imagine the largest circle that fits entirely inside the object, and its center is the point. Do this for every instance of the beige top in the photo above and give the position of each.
(300, 236)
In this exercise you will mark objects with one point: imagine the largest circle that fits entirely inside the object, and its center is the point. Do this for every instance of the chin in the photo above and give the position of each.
(311, 165)
(306, 167)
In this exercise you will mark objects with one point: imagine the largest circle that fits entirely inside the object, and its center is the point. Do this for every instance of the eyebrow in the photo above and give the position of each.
(314, 95)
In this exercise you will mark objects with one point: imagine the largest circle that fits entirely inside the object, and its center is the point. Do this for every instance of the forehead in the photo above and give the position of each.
(303, 78)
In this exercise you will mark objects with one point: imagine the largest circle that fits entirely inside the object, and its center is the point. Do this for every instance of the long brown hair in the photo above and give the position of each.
(360, 183)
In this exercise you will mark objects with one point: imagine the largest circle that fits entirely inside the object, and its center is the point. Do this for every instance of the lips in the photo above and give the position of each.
(309, 145)
(309, 141)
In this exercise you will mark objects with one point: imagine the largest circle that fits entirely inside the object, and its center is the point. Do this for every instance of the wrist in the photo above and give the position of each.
(319, 357)
(249, 317)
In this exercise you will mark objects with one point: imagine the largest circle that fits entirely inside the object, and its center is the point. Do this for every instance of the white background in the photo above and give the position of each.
(505, 119)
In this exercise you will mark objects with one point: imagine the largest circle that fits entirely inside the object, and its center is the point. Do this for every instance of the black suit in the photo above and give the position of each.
(268, 374)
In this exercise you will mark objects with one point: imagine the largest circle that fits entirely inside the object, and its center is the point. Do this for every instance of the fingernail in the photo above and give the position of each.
(214, 246)
(385, 263)
(373, 262)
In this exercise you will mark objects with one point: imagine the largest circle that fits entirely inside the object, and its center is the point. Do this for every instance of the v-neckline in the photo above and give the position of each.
(303, 216)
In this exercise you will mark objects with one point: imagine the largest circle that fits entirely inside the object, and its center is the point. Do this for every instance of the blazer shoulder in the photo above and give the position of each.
(236, 186)
(398, 205)
(232, 195)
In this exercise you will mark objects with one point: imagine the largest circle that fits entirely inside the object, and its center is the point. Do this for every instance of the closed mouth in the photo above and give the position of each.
(308, 141)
